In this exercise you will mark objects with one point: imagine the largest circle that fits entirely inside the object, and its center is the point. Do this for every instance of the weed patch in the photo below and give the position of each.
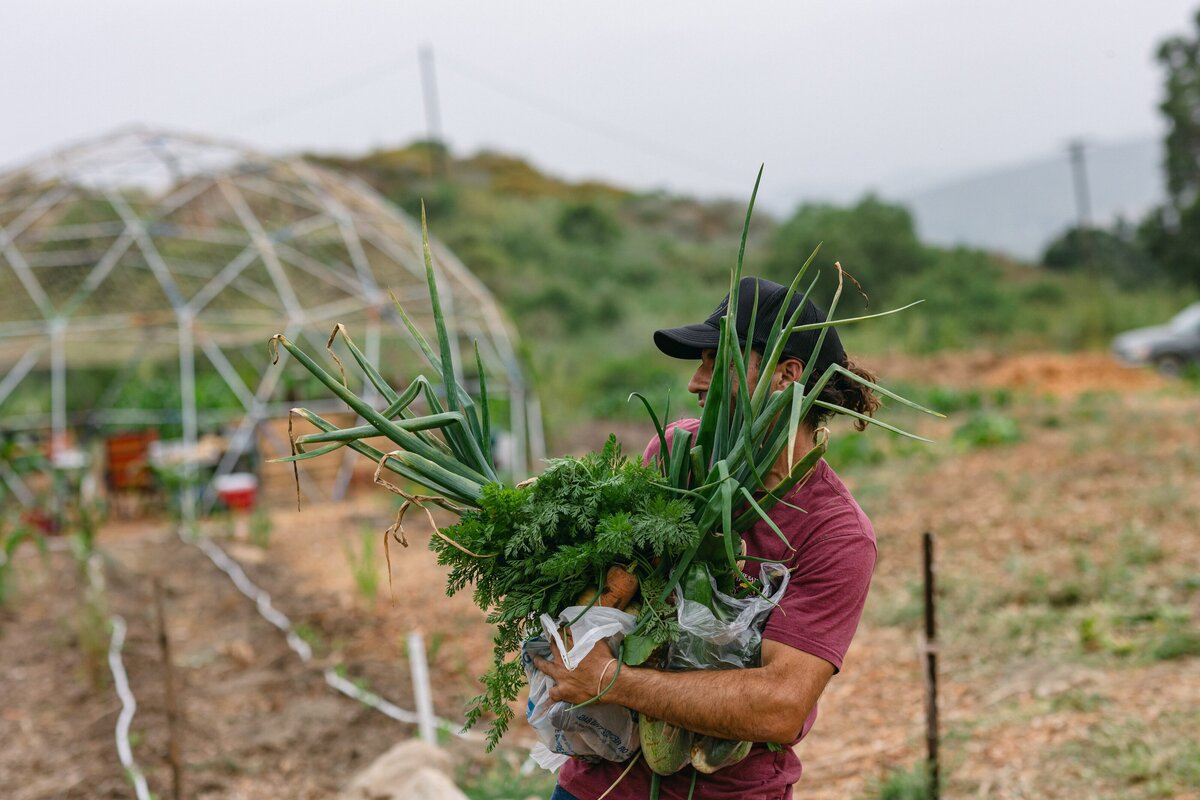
(504, 781)
(987, 429)
(1145, 759)
(910, 784)
(364, 564)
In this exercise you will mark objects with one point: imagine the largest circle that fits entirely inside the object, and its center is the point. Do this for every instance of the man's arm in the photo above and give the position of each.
(759, 704)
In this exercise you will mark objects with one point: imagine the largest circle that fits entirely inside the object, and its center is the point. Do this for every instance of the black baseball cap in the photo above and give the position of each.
(689, 341)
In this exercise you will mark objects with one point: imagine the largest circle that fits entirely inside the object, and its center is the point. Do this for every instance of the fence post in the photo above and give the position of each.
(164, 644)
(930, 650)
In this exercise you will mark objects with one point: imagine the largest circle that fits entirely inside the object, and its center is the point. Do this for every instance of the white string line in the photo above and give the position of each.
(262, 602)
(128, 708)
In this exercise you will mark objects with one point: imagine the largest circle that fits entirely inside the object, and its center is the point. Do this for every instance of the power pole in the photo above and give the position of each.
(433, 119)
(1083, 198)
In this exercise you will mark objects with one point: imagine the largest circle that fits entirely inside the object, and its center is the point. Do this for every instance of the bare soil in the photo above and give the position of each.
(1064, 559)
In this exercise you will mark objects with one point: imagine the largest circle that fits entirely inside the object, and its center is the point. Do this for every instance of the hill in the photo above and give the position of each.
(588, 271)
(1019, 209)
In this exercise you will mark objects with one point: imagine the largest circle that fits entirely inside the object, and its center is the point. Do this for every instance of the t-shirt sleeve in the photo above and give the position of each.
(654, 445)
(824, 600)
(651, 452)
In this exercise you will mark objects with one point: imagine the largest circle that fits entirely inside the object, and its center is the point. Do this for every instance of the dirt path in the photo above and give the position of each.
(56, 729)
(256, 718)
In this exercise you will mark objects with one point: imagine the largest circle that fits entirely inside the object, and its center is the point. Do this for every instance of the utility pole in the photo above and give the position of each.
(1083, 198)
(433, 120)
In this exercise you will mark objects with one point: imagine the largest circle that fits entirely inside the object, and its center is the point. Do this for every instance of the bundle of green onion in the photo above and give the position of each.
(720, 468)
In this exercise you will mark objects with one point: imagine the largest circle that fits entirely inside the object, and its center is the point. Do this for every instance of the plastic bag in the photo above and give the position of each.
(729, 635)
(599, 730)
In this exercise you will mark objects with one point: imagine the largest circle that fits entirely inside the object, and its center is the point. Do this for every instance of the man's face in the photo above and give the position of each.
(786, 372)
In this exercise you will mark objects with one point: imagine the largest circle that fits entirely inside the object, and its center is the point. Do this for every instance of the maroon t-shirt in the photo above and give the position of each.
(831, 571)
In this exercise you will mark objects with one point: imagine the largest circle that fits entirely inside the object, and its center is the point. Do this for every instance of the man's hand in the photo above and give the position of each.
(585, 681)
(758, 704)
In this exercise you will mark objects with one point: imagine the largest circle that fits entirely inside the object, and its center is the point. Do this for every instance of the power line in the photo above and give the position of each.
(330, 91)
(583, 121)
(542, 103)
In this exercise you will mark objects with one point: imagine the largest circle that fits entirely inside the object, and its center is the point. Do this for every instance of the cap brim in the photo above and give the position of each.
(688, 341)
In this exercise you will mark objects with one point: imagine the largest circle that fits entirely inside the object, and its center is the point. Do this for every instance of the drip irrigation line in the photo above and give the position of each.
(128, 708)
(373, 700)
(262, 602)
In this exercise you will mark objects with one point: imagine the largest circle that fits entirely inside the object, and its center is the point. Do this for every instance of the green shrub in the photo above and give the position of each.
(587, 223)
(875, 242)
(911, 784)
(854, 449)
(987, 429)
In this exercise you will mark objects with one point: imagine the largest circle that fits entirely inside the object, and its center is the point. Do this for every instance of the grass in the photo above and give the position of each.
(364, 564)
(311, 636)
(1067, 572)
(987, 429)
(260, 528)
(92, 635)
(903, 784)
(1180, 643)
(8, 548)
(1140, 758)
(502, 780)
(1078, 700)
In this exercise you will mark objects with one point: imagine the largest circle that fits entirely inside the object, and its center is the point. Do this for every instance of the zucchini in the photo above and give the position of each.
(710, 754)
(667, 748)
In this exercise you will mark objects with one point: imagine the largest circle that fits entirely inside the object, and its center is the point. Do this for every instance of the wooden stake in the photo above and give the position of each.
(931, 705)
(164, 644)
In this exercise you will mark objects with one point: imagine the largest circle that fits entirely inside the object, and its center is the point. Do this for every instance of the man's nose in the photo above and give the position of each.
(700, 381)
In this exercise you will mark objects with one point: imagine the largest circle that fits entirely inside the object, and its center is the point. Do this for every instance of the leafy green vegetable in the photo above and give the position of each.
(534, 549)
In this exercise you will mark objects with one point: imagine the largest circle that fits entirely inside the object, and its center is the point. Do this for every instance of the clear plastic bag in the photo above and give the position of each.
(729, 635)
(599, 730)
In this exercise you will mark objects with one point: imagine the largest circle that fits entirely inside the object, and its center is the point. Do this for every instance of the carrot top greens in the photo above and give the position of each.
(535, 549)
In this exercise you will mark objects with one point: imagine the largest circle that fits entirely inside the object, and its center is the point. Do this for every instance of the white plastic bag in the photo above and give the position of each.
(599, 730)
(732, 638)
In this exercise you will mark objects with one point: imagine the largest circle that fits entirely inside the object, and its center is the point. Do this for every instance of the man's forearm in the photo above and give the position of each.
(740, 704)
(757, 704)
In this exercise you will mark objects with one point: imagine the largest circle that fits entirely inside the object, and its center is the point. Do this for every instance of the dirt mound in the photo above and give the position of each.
(1059, 374)
(1070, 375)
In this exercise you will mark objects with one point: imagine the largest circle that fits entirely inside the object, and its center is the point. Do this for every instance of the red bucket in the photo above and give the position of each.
(237, 490)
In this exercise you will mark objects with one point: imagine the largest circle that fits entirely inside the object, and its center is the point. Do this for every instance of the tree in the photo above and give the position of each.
(874, 241)
(1170, 234)
(1180, 57)
(1115, 254)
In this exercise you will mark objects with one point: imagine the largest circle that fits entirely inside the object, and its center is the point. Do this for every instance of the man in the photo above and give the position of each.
(805, 638)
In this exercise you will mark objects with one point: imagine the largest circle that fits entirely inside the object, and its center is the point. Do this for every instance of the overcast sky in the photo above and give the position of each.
(836, 96)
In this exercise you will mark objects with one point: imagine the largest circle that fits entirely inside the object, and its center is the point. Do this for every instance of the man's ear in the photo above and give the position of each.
(789, 371)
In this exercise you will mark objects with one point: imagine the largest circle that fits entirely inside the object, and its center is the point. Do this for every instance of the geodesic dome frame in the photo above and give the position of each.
(145, 246)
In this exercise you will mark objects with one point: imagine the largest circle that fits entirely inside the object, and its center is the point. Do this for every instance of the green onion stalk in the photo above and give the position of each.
(719, 469)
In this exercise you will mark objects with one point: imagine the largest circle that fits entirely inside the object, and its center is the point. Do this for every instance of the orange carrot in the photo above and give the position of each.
(620, 585)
